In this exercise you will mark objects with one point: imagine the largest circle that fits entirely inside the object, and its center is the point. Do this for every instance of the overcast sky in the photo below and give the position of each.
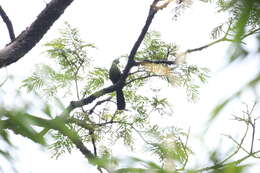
(114, 27)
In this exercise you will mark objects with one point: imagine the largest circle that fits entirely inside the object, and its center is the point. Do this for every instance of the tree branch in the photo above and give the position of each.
(34, 33)
(130, 62)
(224, 38)
(90, 98)
(206, 46)
(251, 32)
(217, 166)
(142, 78)
(6, 78)
(81, 123)
(249, 123)
(220, 40)
(155, 62)
(99, 103)
(8, 23)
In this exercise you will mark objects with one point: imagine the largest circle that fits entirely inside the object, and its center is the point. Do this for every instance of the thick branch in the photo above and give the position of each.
(130, 62)
(34, 33)
(90, 98)
(8, 23)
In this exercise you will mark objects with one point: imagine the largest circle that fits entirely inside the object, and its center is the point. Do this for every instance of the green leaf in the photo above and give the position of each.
(33, 83)
(47, 110)
(5, 135)
(20, 123)
(254, 81)
(6, 155)
(218, 109)
(243, 19)
(96, 79)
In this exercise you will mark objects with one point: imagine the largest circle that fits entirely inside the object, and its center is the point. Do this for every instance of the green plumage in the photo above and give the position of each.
(114, 75)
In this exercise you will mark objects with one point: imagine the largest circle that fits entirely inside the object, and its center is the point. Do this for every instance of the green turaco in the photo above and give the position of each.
(114, 75)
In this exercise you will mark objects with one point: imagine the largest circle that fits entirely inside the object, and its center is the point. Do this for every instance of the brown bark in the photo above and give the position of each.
(34, 33)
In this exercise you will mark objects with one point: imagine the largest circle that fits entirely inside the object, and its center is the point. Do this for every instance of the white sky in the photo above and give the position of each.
(114, 26)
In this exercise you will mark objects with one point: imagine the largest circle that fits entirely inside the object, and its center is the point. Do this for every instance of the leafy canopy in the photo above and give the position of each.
(99, 123)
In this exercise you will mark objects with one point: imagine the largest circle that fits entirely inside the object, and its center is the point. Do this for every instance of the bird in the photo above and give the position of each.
(114, 75)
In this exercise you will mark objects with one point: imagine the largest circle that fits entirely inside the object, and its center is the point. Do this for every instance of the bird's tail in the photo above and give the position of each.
(120, 100)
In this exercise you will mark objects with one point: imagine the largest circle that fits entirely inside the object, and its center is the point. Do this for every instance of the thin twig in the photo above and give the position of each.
(220, 40)
(6, 78)
(184, 146)
(141, 78)
(206, 46)
(93, 142)
(76, 80)
(253, 137)
(8, 23)
(253, 124)
(125, 123)
(217, 166)
(140, 134)
(75, 69)
(250, 33)
(99, 103)
(137, 71)
(239, 144)
(167, 62)
(224, 38)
